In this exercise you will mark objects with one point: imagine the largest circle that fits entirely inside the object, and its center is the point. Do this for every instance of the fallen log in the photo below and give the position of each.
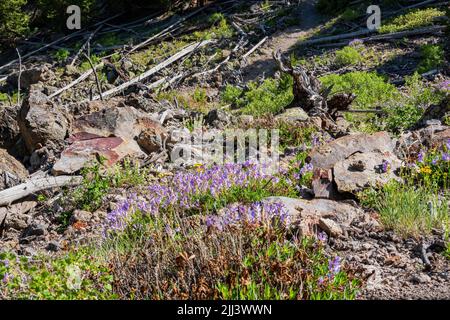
(30, 187)
(155, 69)
(165, 30)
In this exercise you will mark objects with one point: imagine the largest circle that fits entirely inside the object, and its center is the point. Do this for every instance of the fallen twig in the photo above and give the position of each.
(84, 45)
(254, 48)
(18, 78)
(99, 87)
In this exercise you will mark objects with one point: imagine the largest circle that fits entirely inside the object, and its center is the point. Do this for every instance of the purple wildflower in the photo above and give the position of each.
(356, 42)
(5, 262)
(385, 166)
(446, 157)
(322, 236)
(434, 161)
(321, 281)
(308, 167)
(421, 156)
(334, 266)
(6, 277)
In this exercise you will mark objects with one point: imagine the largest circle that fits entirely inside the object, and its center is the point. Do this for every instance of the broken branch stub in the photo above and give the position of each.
(308, 92)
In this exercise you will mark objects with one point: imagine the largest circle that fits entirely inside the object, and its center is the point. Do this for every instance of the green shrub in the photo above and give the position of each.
(371, 89)
(432, 57)
(414, 19)
(270, 97)
(348, 56)
(14, 22)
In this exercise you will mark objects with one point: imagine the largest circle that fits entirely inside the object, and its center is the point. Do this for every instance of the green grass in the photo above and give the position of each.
(76, 275)
(405, 207)
(370, 88)
(412, 20)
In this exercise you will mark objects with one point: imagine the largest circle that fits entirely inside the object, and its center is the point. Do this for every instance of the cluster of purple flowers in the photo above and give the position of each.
(444, 156)
(444, 85)
(356, 42)
(258, 213)
(180, 190)
(334, 267)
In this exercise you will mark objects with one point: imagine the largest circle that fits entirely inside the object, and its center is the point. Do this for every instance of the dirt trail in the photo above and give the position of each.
(261, 62)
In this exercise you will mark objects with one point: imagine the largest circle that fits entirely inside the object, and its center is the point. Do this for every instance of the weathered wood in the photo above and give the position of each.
(254, 48)
(84, 45)
(156, 68)
(165, 30)
(30, 187)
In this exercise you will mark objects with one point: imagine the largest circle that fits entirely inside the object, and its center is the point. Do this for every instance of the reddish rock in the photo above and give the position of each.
(81, 152)
(322, 184)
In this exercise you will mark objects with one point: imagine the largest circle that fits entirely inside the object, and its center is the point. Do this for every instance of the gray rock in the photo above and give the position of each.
(218, 118)
(80, 216)
(53, 246)
(293, 115)
(420, 278)
(34, 229)
(352, 178)
(12, 172)
(305, 214)
(41, 122)
(330, 227)
(9, 127)
(326, 156)
(27, 78)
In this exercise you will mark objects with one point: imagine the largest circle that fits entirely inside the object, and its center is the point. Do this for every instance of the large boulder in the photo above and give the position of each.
(12, 172)
(362, 170)
(82, 152)
(326, 156)
(42, 122)
(124, 122)
(306, 214)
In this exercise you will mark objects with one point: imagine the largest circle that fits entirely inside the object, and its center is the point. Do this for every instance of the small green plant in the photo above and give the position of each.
(411, 20)
(432, 57)
(348, 56)
(95, 185)
(199, 95)
(76, 275)
(61, 55)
